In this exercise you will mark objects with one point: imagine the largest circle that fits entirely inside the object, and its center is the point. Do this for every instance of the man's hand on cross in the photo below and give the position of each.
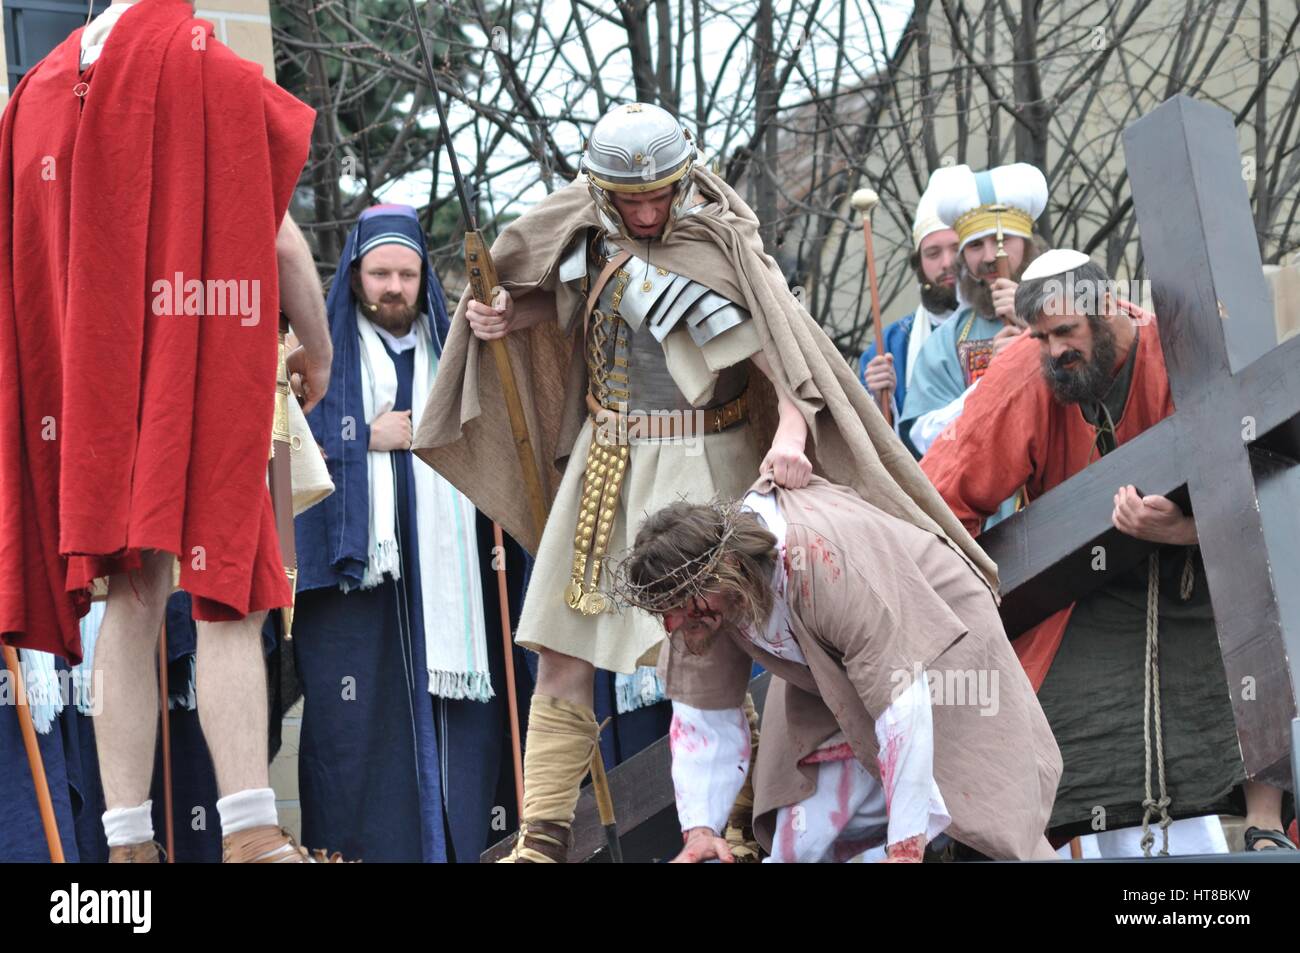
(1155, 519)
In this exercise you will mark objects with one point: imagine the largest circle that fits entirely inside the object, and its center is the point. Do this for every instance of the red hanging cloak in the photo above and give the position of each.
(1012, 433)
(138, 317)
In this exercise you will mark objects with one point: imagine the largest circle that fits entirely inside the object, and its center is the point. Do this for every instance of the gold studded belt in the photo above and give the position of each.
(601, 481)
(668, 424)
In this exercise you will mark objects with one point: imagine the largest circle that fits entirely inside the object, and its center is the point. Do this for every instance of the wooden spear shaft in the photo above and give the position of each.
(42, 785)
(483, 285)
(508, 643)
(164, 691)
(864, 200)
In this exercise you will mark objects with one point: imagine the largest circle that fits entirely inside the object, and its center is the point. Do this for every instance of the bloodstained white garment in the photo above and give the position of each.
(848, 811)
(710, 751)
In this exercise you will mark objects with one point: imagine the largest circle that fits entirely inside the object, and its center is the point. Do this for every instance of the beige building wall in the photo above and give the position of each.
(1101, 114)
(243, 25)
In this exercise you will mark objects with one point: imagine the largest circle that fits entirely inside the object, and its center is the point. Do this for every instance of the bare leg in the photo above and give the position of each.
(230, 676)
(126, 671)
(1263, 807)
(566, 677)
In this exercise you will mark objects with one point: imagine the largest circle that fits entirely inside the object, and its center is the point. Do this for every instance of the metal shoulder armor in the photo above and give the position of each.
(662, 300)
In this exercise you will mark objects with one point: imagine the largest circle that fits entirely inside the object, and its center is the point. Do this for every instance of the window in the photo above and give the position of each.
(34, 27)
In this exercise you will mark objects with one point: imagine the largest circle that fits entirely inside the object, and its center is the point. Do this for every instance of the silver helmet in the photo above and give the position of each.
(637, 147)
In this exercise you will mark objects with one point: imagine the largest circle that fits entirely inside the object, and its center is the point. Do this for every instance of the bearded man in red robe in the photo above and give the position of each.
(145, 172)
(1090, 375)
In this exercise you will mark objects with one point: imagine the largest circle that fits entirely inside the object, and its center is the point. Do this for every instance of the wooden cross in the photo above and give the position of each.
(1231, 446)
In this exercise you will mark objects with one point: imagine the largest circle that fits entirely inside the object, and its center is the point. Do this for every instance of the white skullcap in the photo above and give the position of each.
(1055, 262)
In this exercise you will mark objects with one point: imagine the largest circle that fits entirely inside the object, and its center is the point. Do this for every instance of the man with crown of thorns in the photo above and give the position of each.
(898, 710)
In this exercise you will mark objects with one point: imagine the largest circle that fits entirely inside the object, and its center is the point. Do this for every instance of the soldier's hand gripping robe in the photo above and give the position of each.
(897, 710)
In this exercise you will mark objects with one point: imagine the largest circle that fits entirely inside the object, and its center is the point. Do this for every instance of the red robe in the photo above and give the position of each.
(1013, 432)
(125, 427)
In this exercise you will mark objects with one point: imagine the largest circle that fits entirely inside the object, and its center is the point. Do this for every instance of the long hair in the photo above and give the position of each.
(690, 549)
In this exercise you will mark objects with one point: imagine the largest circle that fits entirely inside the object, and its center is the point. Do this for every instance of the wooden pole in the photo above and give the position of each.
(42, 785)
(864, 200)
(1001, 261)
(605, 799)
(512, 700)
(163, 692)
(483, 285)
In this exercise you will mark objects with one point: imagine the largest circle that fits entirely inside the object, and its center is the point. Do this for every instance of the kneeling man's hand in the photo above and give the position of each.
(910, 851)
(1156, 519)
(703, 844)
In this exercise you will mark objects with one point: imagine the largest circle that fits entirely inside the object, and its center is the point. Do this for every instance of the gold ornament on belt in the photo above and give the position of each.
(602, 482)
(606, 466)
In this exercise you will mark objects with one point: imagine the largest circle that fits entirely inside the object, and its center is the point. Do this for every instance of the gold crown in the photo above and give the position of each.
(985, 218)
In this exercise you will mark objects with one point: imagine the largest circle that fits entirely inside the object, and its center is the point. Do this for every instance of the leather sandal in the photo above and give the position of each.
(1273, 839)
(271, 845)
(146, 852)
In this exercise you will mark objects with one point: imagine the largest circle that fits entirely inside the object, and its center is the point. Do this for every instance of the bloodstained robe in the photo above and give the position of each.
(138, 314)
(1012, 433)
(874, 604)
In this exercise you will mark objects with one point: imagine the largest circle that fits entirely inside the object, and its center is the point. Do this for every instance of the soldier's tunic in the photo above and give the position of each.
(643, 314)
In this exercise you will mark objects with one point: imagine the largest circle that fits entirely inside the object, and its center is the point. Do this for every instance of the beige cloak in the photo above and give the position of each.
(873, 603)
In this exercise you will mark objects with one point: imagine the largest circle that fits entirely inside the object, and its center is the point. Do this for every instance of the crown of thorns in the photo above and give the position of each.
(694, 577)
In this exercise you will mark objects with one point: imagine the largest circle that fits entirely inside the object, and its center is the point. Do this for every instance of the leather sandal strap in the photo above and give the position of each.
(549, 839)
(1277, 839)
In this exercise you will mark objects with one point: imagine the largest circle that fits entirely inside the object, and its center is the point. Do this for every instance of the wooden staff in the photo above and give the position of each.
(42, 785)
(509, 645)
(1001, 261)
(164, 691)
(605, 799)
(864, 200)
(484, 286)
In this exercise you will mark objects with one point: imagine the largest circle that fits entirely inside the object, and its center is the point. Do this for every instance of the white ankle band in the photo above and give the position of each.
(244, 809)
(129, 825)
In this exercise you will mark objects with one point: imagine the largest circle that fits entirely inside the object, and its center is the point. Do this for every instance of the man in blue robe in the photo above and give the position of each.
(396, 629)
(934, 260)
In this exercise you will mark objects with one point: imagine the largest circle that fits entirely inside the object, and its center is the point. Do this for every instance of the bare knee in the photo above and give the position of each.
(566, 677)
(138, 598)
(240, 636)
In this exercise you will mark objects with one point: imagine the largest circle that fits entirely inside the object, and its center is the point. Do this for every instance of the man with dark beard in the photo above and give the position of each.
(993, 214)
(934, 260)
(1089, 376)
